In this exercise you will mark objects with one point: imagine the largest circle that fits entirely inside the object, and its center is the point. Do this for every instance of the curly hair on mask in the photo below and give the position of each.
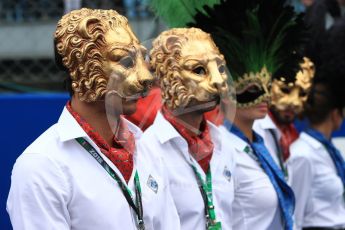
(164, 60)
(79, 36)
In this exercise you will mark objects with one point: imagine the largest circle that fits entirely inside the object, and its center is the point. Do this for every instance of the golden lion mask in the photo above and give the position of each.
(294, 94)
(189, 66)
(86, 39)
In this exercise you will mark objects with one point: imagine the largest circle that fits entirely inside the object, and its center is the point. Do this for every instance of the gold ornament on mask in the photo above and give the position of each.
(260, 81)
(96, 45)
(189, 67)
(293, 95)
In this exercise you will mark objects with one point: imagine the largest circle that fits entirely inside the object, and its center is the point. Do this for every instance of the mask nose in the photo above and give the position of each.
(145, 78)
(147, 84)
(216, 80)
(293, 100)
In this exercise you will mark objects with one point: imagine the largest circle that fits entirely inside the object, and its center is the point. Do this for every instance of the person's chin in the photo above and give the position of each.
(261, 114)
(287, 120)
(129, 107)
(287, 116)
(262, 110)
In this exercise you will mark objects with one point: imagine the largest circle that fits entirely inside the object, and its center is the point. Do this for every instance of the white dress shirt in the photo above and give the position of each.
(256, 204)
(262, 127)
(57, 184)
(317, 187)
(162, 138)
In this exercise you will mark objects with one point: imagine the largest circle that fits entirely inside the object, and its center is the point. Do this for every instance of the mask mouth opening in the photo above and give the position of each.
(214, 98)
(136, 96)
(203, 106)
(250, 94)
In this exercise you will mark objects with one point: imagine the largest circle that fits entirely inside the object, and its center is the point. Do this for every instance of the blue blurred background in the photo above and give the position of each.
(23, 118)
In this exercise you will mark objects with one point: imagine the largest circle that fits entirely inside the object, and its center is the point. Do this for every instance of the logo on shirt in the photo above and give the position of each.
(227, 173)
(152, 183)
(250, 152)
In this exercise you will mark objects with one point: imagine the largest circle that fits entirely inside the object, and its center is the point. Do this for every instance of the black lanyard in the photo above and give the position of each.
(138, 208)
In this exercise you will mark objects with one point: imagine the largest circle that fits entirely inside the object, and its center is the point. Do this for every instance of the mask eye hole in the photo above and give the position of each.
(127, 62)
(285, 90)
(221, 69)
(199, 70)
(253, 89)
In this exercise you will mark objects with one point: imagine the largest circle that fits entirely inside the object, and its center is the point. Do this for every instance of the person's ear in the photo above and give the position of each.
(337, 118)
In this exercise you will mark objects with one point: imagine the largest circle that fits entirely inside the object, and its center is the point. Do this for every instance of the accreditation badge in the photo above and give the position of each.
(215, 226)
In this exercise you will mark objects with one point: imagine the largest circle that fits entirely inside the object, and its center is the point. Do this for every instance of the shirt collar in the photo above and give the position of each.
(166, 132)
(267, 123)
(137, 132)
(309, 139)
(215, 135)
(68, 128)
(237, 142)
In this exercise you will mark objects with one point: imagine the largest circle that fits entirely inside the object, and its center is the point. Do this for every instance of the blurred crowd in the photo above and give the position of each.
(34, 10)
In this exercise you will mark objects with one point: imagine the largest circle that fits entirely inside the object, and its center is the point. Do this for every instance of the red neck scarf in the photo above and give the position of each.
(200, 146)
(288, 135)
(121, 153)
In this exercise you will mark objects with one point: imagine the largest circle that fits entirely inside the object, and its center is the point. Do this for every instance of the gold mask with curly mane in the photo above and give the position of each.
(96, 45)
(190, 68)
(293, 95)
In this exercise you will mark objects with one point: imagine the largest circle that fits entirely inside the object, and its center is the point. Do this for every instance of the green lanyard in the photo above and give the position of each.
(138, 208)
(206, 192)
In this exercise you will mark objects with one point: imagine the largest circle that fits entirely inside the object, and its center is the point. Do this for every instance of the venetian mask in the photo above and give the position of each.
(293, 95)
(253, 88)
(98, 45)
(190, 68)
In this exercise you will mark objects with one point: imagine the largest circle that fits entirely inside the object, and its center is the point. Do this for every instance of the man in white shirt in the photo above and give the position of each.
(317, 166)
(198, 160)
(288, 98)
(85, 171)
(315, 179)
(318, 189)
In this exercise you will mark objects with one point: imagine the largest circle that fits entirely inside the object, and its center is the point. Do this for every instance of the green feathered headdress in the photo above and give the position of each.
(259, 38)
(178, 13)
